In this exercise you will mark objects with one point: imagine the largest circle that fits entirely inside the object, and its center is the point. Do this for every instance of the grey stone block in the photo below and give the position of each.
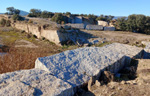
(33, 83)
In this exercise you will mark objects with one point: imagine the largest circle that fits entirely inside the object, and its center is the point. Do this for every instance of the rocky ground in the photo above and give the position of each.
(120, 36)
(139, 86)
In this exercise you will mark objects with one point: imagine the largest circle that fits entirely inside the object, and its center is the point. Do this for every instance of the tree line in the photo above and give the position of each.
(134, 23)
(60, 18)
(63, 17)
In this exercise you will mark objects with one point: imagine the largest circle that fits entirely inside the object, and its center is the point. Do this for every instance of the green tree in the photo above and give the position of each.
(3, 22)
(105, 18)
(8, 23)
(59, 18)
(147, 25)
(131, 22)
(35, 13)
(121, 24)
(101, 17)
(68, 13)
(12, 11)
(92, 16)
(46, 14)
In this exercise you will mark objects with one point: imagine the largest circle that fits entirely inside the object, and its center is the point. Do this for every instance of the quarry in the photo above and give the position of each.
(98, 62)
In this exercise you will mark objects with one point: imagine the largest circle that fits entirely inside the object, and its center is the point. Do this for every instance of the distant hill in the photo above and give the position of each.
(23, 13)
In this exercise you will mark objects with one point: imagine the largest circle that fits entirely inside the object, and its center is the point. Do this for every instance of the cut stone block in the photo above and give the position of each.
(33, 82)
(77, 66)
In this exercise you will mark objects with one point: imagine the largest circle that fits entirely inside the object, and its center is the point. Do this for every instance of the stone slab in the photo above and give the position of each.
(94, 27)
(33, 82)
(77, 66)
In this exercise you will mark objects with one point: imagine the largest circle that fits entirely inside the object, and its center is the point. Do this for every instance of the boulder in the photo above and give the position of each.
(77, 66)
(33, 82)
(103, 23)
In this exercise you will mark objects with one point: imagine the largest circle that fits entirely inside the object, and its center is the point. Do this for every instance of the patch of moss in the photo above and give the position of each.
(103, 44)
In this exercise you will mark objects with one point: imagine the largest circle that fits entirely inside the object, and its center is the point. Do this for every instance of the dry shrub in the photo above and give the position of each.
(17, 59)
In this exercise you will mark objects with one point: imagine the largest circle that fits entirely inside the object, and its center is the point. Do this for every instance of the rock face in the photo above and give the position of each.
(103, 23)
(52, 35)
(146, 49)
(77, 66)
(33, 82)
(79, 26)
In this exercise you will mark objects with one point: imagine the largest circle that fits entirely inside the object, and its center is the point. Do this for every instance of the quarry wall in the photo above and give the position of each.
(52, 35)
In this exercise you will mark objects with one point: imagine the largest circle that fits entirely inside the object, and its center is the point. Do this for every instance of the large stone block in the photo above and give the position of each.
(33, 83)
(77, 66)
(78, 26)
(94, 27)
(109, 28)
(103, 23)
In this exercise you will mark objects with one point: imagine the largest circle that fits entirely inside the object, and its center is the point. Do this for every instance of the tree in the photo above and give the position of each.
(101, 17)
(134, 23)
(140, 23)
(92, 16)
(105, 18)
(35, 13)
(68, 13)
(121, 24)
(12, 11)
(59, 18)
(147, 25)
(46, 14)
(3, 22)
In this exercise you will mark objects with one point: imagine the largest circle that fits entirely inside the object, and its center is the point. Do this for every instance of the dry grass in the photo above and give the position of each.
(17, 59)
(24, 58)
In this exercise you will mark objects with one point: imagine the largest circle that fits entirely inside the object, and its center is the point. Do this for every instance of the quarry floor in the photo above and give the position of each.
(120, 36)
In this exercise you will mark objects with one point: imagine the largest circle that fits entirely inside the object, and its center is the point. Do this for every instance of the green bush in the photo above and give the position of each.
(17, 17)
(3, 22)
(134, 23)
(8, 23)
(58, 18)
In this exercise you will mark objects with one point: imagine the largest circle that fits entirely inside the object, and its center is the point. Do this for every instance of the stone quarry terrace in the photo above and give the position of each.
(62, 74)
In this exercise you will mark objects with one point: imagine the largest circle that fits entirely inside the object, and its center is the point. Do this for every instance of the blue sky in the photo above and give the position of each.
(97, 7)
